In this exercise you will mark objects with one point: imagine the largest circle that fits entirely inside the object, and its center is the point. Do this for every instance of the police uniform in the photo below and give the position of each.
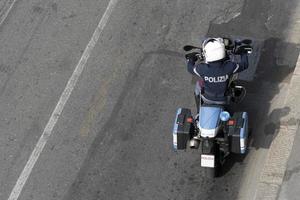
(216, 75)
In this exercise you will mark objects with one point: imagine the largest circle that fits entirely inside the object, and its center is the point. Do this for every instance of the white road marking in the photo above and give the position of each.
(4, 16)
(61, 103)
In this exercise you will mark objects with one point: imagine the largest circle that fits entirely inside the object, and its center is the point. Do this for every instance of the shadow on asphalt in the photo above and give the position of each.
(276, 62)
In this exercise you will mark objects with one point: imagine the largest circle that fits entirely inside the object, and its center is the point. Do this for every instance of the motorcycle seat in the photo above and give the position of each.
(208, 101)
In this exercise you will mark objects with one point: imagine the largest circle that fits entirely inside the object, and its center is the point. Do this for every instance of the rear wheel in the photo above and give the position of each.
(210, 172)
(214, 149)
(213, 172)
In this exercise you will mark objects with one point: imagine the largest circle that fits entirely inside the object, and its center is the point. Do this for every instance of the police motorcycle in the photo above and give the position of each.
(214, 129)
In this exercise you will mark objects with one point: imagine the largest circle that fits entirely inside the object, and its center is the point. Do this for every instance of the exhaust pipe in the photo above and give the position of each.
(194, 143)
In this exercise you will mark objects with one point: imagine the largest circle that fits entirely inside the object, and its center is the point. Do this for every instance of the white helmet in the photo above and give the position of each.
(214, 49)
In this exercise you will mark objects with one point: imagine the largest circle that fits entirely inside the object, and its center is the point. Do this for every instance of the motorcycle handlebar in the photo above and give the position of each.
(233, 47)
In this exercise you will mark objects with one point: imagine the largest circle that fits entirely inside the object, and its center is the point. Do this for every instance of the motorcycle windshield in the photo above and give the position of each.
(209, 117)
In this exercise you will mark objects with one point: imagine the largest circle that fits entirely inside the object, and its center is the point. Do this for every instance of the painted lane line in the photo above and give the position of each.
(61, 103)
(4, 16)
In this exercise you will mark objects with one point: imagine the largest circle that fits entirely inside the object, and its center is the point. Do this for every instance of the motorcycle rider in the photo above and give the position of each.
(215, 72)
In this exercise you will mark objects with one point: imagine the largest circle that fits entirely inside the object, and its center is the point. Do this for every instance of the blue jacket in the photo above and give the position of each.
(216, 75)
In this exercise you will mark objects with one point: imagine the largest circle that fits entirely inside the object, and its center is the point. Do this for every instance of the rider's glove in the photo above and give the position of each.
(191, 57)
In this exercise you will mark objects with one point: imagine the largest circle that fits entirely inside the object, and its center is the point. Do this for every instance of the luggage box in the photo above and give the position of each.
(238, 132)
(183, 127)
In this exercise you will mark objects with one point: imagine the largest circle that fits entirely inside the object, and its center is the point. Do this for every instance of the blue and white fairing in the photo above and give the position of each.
(209, 120)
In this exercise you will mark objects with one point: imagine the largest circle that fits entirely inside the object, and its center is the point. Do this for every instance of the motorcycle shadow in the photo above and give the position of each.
(233, 158)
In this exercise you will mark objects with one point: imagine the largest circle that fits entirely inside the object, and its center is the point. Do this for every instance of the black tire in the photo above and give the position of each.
(214, 172)
(210, 173)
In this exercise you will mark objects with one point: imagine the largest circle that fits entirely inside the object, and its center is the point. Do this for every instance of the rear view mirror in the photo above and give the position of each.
(246, 41)
(190, 47)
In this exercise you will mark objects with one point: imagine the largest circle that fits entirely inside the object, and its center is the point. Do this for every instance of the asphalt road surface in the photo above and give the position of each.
(113, 138)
